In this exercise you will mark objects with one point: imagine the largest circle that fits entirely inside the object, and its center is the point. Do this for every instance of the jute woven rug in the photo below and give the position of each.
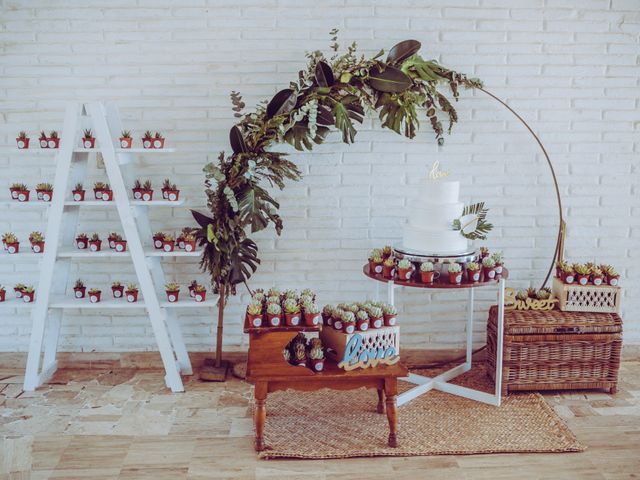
(339, 424)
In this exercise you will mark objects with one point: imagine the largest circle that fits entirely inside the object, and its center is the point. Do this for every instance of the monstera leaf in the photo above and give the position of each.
(244, 261)
(324, 74)
(236, 139)
(300, 136)
(282, 102)
(402, 50)
(389, 80)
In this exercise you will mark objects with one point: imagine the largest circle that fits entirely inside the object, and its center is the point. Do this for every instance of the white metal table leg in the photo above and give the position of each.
(470, 328)
(390, 293)
(500, 342)
(377, 294)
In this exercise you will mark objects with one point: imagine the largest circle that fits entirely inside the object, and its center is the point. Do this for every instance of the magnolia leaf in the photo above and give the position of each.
(282, 102)
(325, 117)
(324, 74)
(237, 140)
(402, 50)
(390, 80)
(202, 220)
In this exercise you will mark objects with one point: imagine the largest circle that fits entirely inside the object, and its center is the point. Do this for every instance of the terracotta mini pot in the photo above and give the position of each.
(45, 195)
(27, 297)
(23, 195)
(95, 245)
(120, 245)
(613, 281)
(171, 195)
(78, 195)
(376, 322)
(255, 320)
(474, 275)
(97, 193)
(53, 142)
(337, 324)
(200, 296)
(455, 278)
(132, 296)
(3, 294)
(583, 279)
(404, 274)
(82, 244)
(597, 280)
(273, 320)
(158, 143)
(390, 320)
(23, 143)
(189, 246)
(79, 292)
(498, 269)
(157, 242)
(311, 319)
(137, 193)
(168, 245)
(292, 319)
(316, 365)
(363, 325)
(387, 272)
(348, 327)
(126, 142)
(37, 247)
(427, 277)
(107, 195)
(88, 142)
(43, 142)
(489, 273)
(18, 292)
(180, 242)
(14, 193)
(173, 295)
(147, 195)
(13, 247)
(95, 297)
(118, 292)
(147, 142)
(568, 277)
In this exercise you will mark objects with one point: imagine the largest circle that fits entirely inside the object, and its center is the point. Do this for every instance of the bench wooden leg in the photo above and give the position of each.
(391, 391)
(380, 400)
(260, 414)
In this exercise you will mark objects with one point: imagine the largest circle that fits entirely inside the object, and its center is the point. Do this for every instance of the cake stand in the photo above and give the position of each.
(441, 382)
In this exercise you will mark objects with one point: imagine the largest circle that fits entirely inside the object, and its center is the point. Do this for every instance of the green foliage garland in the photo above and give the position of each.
(335, 91)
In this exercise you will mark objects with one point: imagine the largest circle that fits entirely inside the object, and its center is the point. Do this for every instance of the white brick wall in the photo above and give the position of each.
(569, 67)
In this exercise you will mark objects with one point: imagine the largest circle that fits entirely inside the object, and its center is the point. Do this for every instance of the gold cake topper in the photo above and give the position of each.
(436, 173)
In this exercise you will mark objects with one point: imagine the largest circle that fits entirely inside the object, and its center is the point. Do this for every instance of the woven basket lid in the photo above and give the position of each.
(540, 322)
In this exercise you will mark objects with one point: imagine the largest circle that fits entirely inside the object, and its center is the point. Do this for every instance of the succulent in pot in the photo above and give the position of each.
(388, 267)
(291, 312)
(53, 141)
(170, 190)
(311, 313)
(375, 265)
(300, 354)
(95, 243)
(158, 140)
(484, 252)
(125, 139)
(79, 289)
(583, 272)
(98, 189)
(258, 295)
(94, 295)
(405, 269)
(532, 292)
(132, 292)
(316, 358)
(44, 192)
(117, 289)
(567, 274)
(362, 320)
(543, 294)
(390, 314)
(111, 239)
(107, 193)
(119, 244)
(168, 242)
(3, 293)
(497, 258)
(612, 277)
(43, 140)
(189, 242)
(274, 292)
(11, 243)
(327, 312)
(136, 190)
(37, 242)
(387, 251)
(273, 299)
(82, 241)
(473, 271)
(199, 293)
(489, 268)
(375, 253)
(22, 140)
(427, 273)
(88, 140)
(16, 189)
(376, 318)
(348, 322)
(147, 140)
(522, 295)
(147, 191)
(274, 313)
(254, 313)
(192, 286)
(18, 289)
(597, 276)
(78, 192)
(173, 291)
(455, 273)
(157, 240)
(28, 294)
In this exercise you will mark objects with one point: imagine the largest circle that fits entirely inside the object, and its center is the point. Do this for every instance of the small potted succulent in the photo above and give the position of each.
(612, 277)
(88, 140)
(327, 311)
(82, 241)
(173, 291)
(53, 141)
(291, 312)
(522, 295)
(300, 354)
(254, 313)
(455, 273)
(193, 285)
(3, 293)
(168, 242)
(94, 295)
(337, 318)
(567, 275)
(79, 290)
(107, 193)
(273, 299)
(405, 269)
(119, 244)
(316, 357)
(484, 253)
(78, 192)
(37, 242)
(95, 244)
(43, 140)
(44, 192)
(497, 258)
(20, 192)
(147, 191)
(199, 293)
(362, 320)
(532, 292)
(170, 191)
(311, 313)
(22, 140)
(376, 316)
(377, 262)
(137, 189)
(111, 239)
(543, 294)
(125, 139)
(473, 272)
(117, 289)
(597, 276)
(426, 272)
(390, 314)
(18, 289)
(375, 253)
(28, 294)
(131, 292)
(583, 272)
(387, 267)
(489, 268)
(158, 140)
(274, 312)
(387, 251)
(274, 292)
(147, 140)
(157, 240)
(98, 189)
(348, 322)
(11, 243)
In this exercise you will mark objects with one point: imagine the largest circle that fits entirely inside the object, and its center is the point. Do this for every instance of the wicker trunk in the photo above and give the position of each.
(555, 350)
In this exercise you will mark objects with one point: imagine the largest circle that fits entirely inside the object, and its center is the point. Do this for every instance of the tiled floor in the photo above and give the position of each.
(124, 424)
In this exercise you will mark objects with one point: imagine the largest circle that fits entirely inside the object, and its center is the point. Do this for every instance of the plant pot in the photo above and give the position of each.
(404, 274)
(330, 321)
(53, 142)
(597, 281)
(118, 292)
(613, 281)
(112, 242)
(23, 195)
(200, 296)
(79, 292)
(363, 325)
(427, 277)
(311, 319)
(376, 322)
(23, 143)
(132, 296)
(168, 245)
(3, 294)
(13, 247)
(37, 247)
(147, 195)
(172, 195)
(27, 297)
(43, 142)
(47, 195)
(18, 293)
(107, 195)
(137, 193)
(88, 142)
(390, 320)
(273, 320)
(316, 365)
(337, 324)
(82, 244)
(473, 275)
(97, 193)
(39, 194)
(95, 245)
(387, 272)
(147, 143)
(173, 295)
(292, 319)
(455, 278)
(189, 246)
(348, 327)
(158, 143)
(14, 193)
(126, 142)
(568, 277)
(583, 279)
(157, 243)
(95, 297)
(498, 269)
(255, 320)
(489, 273)
(78, 195)
(377, 268)
(120, 245)
(191, 291)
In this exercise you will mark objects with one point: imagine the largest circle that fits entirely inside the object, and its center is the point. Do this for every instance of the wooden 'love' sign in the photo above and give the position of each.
(356, 357)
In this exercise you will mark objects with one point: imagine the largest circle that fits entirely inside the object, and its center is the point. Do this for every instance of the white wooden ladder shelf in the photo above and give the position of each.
(51, 296)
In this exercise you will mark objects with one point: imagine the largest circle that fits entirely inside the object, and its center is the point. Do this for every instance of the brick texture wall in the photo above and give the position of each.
(569, 67)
